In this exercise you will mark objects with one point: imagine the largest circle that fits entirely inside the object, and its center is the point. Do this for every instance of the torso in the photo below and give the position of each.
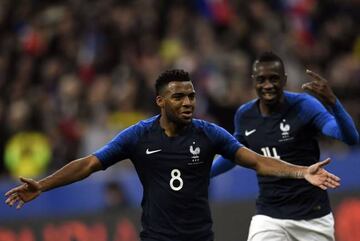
(287, 136)
(174, 172)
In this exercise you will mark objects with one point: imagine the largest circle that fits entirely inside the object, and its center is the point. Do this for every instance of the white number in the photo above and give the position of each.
(266, 152)
(175, 176)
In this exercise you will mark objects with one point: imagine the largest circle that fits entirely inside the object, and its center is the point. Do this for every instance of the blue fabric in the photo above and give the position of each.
(223, 140)
(342, 126)
(121, 146)
(221, 165)
(338, 125)
(174, 172)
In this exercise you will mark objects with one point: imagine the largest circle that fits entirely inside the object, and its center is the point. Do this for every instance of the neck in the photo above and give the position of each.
(171, 128)
(269, 109)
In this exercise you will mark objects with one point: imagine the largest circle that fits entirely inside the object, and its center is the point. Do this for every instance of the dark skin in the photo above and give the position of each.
(270, 80)
(177, 104)
(320, 88)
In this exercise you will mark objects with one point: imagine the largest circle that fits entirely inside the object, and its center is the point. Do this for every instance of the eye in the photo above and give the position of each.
(259, 79)
(192, 96)
(177, 97)
(274, 78)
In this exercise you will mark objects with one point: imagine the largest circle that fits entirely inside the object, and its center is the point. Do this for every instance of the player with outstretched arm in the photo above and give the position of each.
(172, 154)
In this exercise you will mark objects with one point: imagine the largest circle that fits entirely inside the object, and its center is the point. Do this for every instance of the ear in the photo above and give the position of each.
(160, 101)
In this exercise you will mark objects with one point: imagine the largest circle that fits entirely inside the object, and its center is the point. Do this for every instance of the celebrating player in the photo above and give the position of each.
(284, 125)
(172, 154)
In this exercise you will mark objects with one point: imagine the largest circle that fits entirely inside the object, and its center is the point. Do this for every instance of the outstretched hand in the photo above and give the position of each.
(318, 176)
(320, 88)
(29, 190)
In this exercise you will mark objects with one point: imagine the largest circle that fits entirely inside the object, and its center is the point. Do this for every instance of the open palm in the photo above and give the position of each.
(319, 177)
(26, 192)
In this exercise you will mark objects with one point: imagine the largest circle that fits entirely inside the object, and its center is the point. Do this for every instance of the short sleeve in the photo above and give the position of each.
(120, 147)
(224, 143)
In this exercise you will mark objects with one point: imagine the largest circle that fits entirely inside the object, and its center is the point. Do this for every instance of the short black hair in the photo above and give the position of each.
(170, 75)
(270, 57)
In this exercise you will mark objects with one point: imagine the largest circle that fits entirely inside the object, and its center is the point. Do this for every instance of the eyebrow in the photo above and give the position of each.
(176, 94)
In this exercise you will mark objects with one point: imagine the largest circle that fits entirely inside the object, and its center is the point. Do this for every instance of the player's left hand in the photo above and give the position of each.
(320, 88)
(318, 176)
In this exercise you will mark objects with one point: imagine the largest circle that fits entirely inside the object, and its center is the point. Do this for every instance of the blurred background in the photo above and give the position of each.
(74, 73)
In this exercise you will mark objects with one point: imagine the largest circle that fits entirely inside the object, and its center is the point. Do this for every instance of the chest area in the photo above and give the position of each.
(281, 130)
(178, 152)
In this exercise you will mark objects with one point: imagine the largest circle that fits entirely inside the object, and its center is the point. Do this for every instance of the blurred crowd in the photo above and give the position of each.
(74, 73)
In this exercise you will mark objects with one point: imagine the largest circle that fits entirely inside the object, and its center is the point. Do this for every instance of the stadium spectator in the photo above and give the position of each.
(115, 199)
(44, 43)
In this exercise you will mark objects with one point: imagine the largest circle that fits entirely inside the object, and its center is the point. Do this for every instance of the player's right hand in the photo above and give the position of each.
(29, 190)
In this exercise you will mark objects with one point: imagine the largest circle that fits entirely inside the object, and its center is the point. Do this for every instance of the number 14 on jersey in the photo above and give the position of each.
(270, 153)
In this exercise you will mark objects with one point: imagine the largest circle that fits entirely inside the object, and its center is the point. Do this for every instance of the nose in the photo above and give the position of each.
(267, 84)
(187, 101)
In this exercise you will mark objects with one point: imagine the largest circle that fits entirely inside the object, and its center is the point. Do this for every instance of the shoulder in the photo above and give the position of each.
(246, 108)
(305, 105)
(203, 124)
(216, 134)
(143, 126)
(148, 123)
(207, 127)
(295, 98)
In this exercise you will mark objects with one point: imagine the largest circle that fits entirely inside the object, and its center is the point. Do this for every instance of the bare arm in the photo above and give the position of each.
(267, 166)
(72, 172)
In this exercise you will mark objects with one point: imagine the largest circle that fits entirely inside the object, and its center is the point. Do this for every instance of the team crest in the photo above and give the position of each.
(285, 128)
(285, 131)
(195, 152)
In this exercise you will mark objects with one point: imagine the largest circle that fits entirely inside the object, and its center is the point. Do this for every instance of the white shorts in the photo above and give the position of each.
(272, 229)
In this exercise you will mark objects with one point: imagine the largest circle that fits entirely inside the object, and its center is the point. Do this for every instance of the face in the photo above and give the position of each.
(269, 79)
(177, 102)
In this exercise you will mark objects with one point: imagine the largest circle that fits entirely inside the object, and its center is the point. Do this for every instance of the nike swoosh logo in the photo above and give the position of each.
(248, 133)
(148, 152)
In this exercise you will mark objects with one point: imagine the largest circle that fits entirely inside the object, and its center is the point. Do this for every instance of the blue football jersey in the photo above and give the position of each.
(290, 135)
(174, 172)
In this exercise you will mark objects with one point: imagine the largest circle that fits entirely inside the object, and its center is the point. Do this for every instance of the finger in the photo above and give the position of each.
(311, 85)
(330, 184)
(13, 201)
(335, 184)
(14, 190)
(10, 200)
(28, 181)
(315, 76)
(20, 204)
(327, 185)
(323, 187)
(334, 177)
(324, 162)
(306, 85)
